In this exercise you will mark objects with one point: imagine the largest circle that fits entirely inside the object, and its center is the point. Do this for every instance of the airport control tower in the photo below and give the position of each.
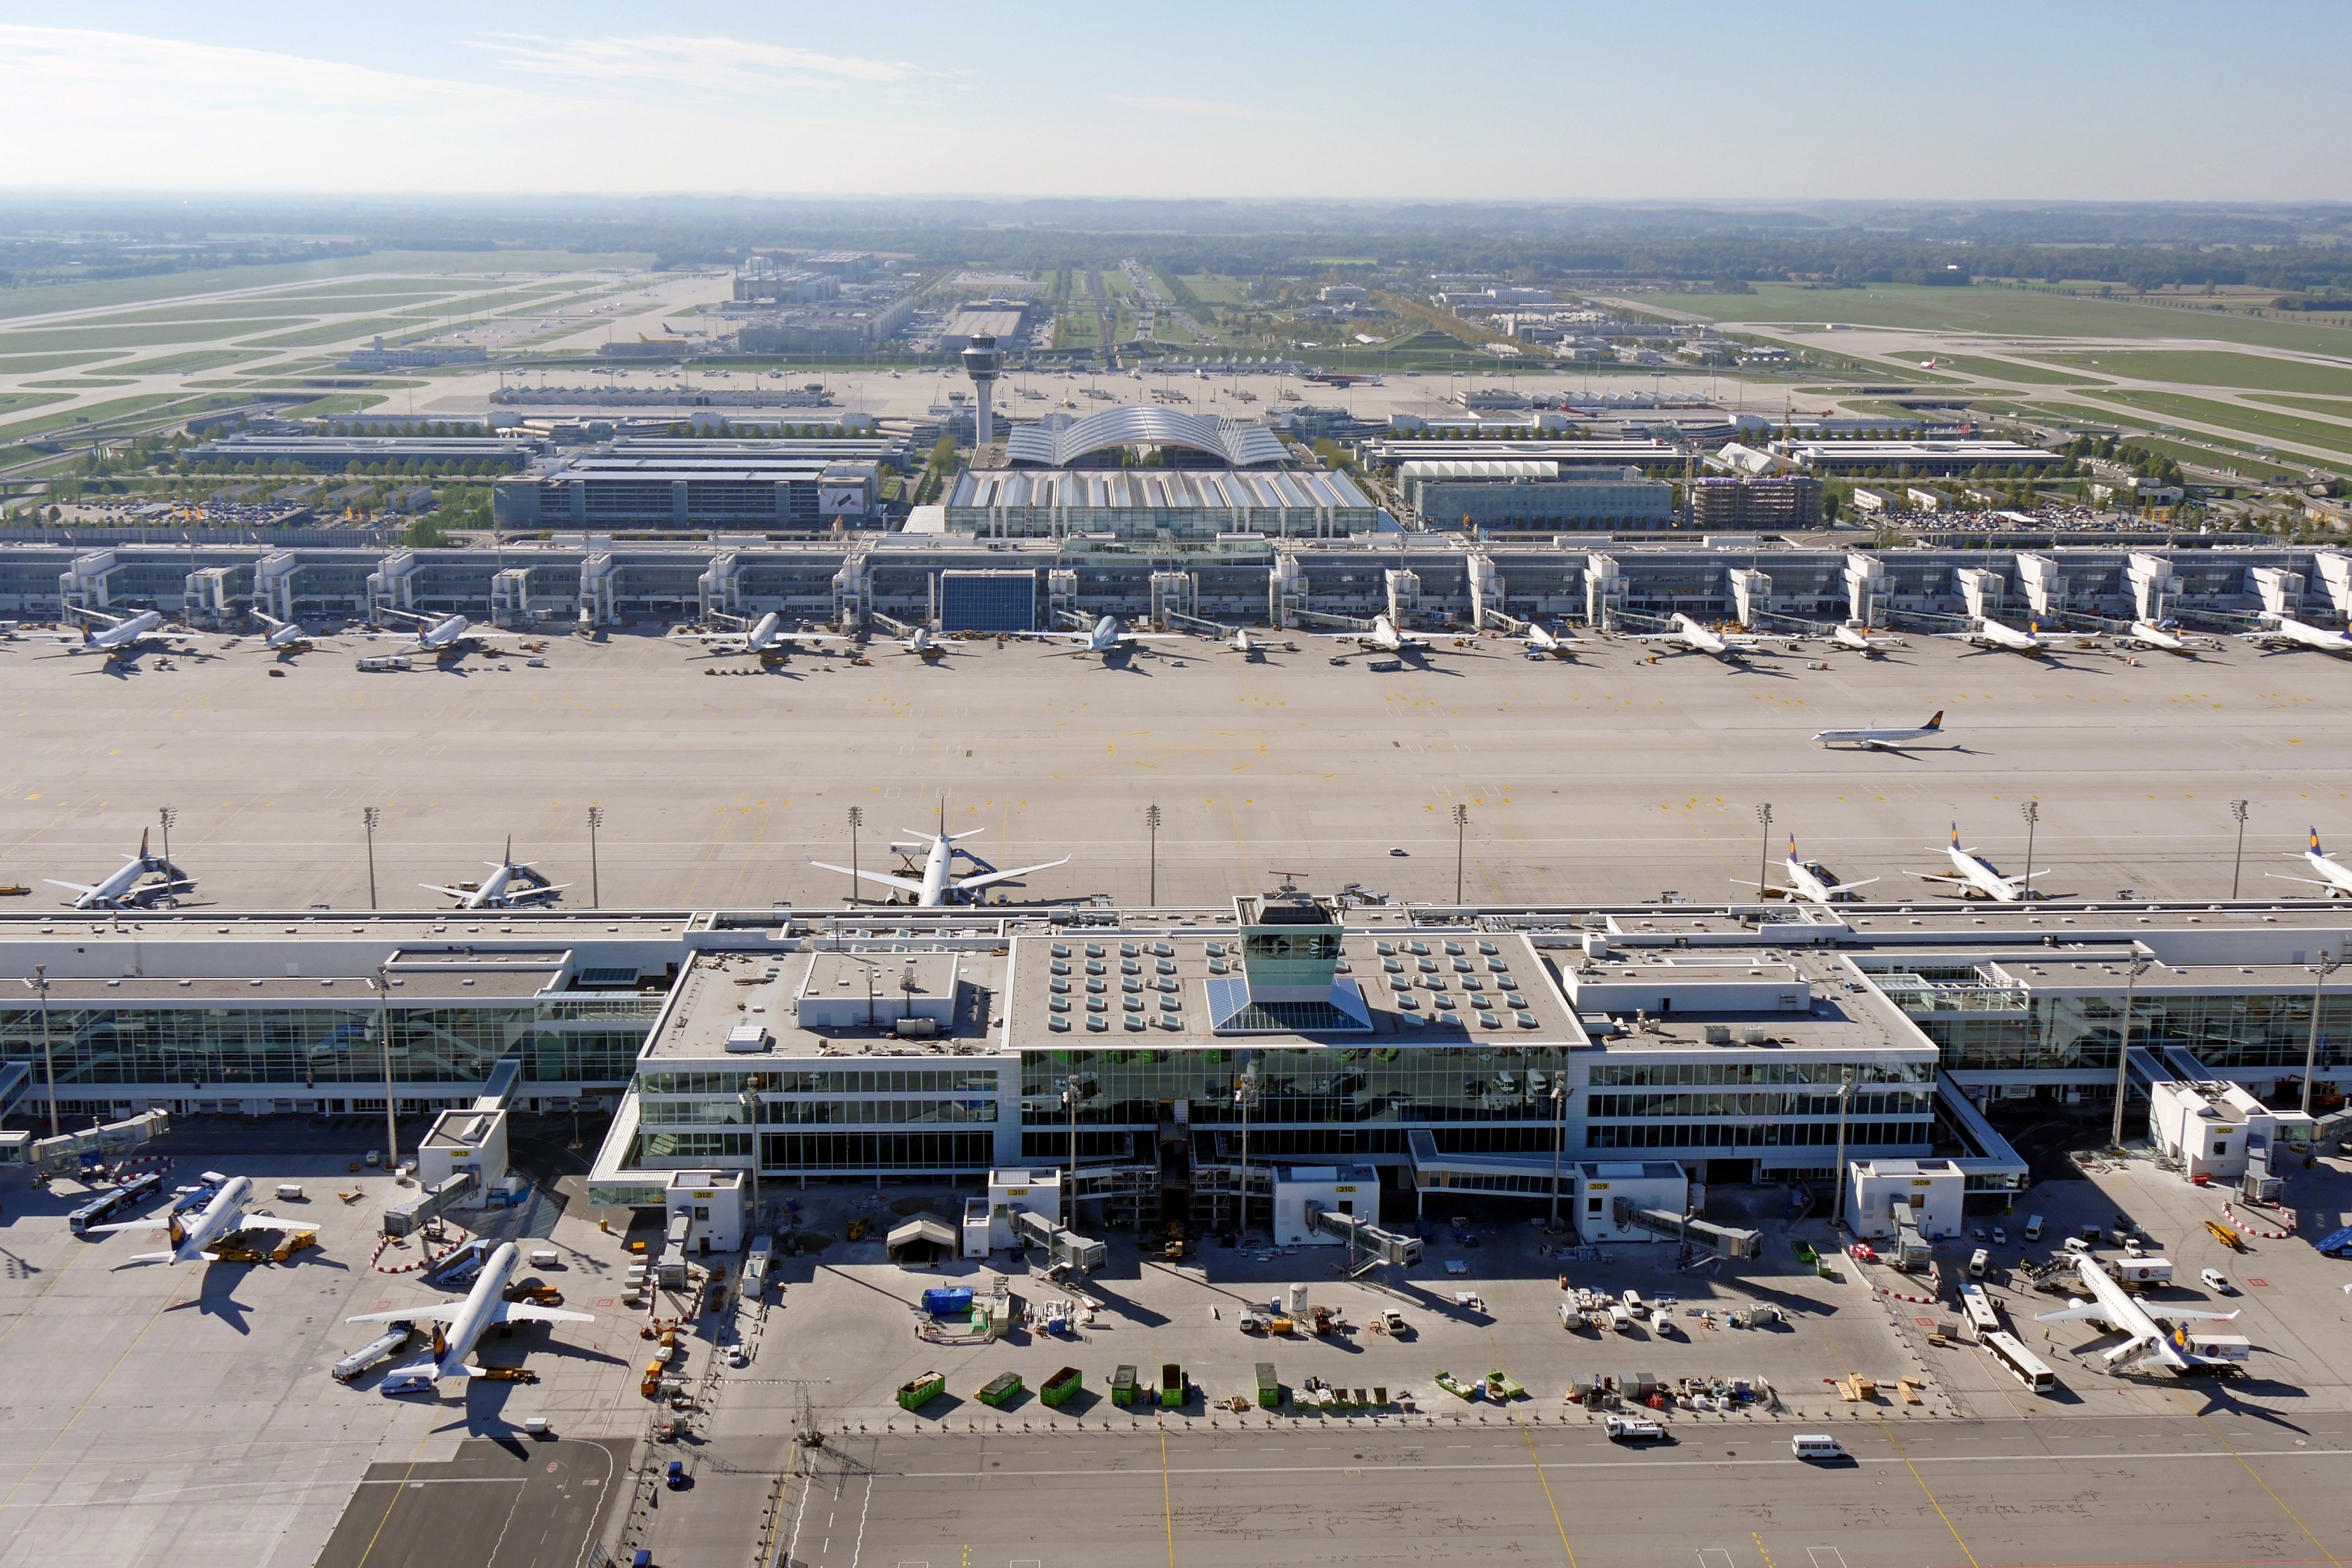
(980, 363)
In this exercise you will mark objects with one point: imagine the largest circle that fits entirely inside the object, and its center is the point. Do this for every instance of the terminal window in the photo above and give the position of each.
(988, 602)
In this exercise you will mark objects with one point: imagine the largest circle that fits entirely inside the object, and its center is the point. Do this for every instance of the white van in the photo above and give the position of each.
(1978, 1262)
(1633, 1307)
(1816, 1445)
(2033, 1228)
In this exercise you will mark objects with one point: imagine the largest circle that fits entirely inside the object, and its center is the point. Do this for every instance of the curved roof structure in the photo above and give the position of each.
(1137, 424)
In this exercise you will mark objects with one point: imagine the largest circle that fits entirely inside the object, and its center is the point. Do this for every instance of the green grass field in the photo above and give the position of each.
(1215, 288)
(34, 364)
(82, 383)
(330, 333)
(402, 266)
(90, 413)
(2010, 370)
(2333, 434)
(195, 359)
(2005, 311)
(64, 338)
(2219, 367)
(2342, 405)
(2140, 425)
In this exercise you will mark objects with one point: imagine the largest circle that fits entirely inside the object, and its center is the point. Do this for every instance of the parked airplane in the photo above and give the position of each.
(1859, 639)
(937, 884)
(1872, 738)
(2290, 633)
(1809, 880)
(510, 886)
(1108, 637)
(1543, 642)
(2160, 637)
(447, 638)
(1974, 877)
(458, 1326)
(125, 889)
(1694, 638)
(1993, 637)
(2336, 876)
(1382, 636)
(193, 1240)
(285, 636)
(766, 637)
(2146, 1341)
(120, 635)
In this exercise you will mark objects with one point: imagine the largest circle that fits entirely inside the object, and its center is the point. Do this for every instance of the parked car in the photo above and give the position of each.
(675, 1479)
(2217, 1282)
(1999, 1237)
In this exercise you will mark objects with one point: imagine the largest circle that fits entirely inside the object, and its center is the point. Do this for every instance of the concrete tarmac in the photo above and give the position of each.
(509, 1503)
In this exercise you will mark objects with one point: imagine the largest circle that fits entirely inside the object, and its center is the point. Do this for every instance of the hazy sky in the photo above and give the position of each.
(2062, 99)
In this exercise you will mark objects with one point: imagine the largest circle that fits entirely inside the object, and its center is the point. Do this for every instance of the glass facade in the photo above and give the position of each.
(1306, 1088)
(1984, 1027)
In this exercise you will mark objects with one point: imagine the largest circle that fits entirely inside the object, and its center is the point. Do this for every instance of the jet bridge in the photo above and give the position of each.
(403, 1219)
(73, 1150)
(498, 1090)
(1365, 1239)
(1061, 1245)
(1724, 1240)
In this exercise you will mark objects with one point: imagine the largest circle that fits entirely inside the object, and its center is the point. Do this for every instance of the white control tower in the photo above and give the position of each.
(980, 363)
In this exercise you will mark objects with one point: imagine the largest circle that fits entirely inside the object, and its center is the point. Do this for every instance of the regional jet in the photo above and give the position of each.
(193, 1241)
(1108, 637)
(1859, 639)
(1993, 637)
(1974, 877)
(126, 887)
(2336, 876)
(1694, 638)
(458, 1326)
(1872, 739)
(510, 886)
(2146, 1342)
(2289, 633)
(937, 884)
(1809, 880)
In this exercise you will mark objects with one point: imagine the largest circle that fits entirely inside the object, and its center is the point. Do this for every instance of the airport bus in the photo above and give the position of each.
(1976, 1307)
(2021, 1364)
(112, 1202)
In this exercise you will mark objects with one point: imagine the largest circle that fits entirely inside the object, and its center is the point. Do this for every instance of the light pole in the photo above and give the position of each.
(749, 1098)
(1245, 1094)
(595, 883)
(2032, 810)
(2238, 810)
(1070, 1194)
(1151, 821)
(1845, 1099)
(1560, 1140)
(2123, 1054)
(40, 982)
(383, 987)
(369, 818)
(1461, 837)
(168, 816)
(1763, 846)
(857, 821)
(2327, 965)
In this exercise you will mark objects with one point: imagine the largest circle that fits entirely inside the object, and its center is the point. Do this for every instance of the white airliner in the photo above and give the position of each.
(1974, 877)
(1108, 637)
(2146, 1341)
(1872, 738)
(1544, 642)
(191, 1240)
(1694, 638)
(922, 643)
(449, 635)
(937, 884)
(285, 636)
(2335, 876)
(1809, 881)
(766, 637)
(1994, 636)
(120, 634)
(1241, 644)
(510, 886)
(2290, 633)
(1859, 640)
(457, 1326)
(123, 889)
(2160, 638)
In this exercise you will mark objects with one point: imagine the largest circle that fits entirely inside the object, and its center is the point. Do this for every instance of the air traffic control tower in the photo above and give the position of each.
(980, 363)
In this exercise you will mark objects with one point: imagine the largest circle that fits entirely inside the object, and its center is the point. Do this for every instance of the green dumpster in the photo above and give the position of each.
(1058, 1388)
(922, 1391)
(1269, 1390)
(1122, 1386)
(1171, 1385)
(1000, 1388)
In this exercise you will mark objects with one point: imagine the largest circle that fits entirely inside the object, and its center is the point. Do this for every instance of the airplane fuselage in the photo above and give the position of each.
(1981, 877)
(2302, 633)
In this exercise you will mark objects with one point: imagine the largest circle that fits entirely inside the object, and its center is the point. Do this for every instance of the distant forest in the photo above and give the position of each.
(2295, 250)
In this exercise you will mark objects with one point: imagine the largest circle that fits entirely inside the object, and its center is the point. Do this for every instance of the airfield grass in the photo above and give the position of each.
(1215, 288)
(2342, 405)
(2002, 312)
(2140, 425)
(2194, 367)
(2005, 369)
(93, 412)
(2333, 434)
(332, 332)
(195, 359)
(15, 400)
(84, 383)
(369, 272)
(131, 337)
(35, 365)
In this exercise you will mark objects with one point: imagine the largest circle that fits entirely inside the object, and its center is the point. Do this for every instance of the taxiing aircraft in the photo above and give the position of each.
(766, 637)
(1809, 881)
(1873, 738)
(2336, 877)
(1974, 877)
(126, 887)
(1694, 638)
(1858, 639)
(510, 886)
(937, 884)
(2290, 633)
(458, 1326)
(1995, 636)
(193, 1240)
(2146, 1341)
(1108, 637)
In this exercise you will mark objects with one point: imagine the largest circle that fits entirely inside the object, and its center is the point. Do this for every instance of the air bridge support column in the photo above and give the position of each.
(1982, 591)
(1751, 591)
(1865, 590)
(2280, 589)
(2152, 585)
(2045, 589)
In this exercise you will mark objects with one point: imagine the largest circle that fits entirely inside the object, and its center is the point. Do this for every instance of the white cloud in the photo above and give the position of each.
(1210, 108)
(704, 64)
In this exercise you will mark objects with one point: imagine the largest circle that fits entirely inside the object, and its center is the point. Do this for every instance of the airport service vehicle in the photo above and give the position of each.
(2033, 1227)
(126, 886)
(2147, 1342)
(1874, 738)
(354, 1365)
(1974, 877)
(1633, 1429)
(457, 1326)
(113, 1201)
(2334, 874)
(1979, 1261)
(1999, 1237)
(510, 885)
(193, 1240)
(1809, 881)
(2287, 633)
(2009, 1354)
(1816, 1445)
(937, 884)
(2216, 1281)
(1976, 1308)
(1994, 636)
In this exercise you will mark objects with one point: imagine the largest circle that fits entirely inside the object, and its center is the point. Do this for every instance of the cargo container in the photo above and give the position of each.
(1059, 1388)
(1269, 1388)
(922, 1390)
(1000, 1389)
(1122, 1386)
(947, 1302)
(2144, 1270)
(2208, 1347)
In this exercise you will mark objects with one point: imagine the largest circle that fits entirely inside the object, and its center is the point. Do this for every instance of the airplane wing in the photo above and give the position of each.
(524, 1312)
(77, 887)
(160, 1222)
(453, 892)
(904, 884)
(1934, 876)
(437, 1311)
(2273, 876)
(2163, 1312)
(268, 1222)
(2084, 1313)
(1849, 887)
(990, 878)
(550, 890)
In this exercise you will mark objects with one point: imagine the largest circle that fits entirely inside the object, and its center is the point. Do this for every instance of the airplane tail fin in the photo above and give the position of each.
(2314, 842)
(1935, 722)
(1792, 846)
(1956, 835)
(142, 844)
